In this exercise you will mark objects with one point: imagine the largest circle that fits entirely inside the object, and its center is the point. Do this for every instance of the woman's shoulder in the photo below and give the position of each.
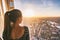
(26, 28)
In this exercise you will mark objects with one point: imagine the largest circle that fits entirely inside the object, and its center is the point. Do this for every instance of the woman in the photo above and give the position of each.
(12, 30)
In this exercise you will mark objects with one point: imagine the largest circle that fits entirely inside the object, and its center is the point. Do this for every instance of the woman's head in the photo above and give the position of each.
(13, 16)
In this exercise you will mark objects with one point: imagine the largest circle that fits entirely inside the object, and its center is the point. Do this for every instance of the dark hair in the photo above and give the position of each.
(12, 15)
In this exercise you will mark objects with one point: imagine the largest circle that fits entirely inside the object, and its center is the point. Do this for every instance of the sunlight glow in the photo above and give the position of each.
(28, 13)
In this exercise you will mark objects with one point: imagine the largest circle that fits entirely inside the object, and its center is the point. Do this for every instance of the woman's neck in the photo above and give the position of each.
(17, 26)
(17, 32)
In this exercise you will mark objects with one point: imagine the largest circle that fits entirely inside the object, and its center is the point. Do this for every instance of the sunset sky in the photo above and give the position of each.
(40, 8)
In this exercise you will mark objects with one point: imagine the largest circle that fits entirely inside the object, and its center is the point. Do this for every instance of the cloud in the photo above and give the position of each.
(45, 8)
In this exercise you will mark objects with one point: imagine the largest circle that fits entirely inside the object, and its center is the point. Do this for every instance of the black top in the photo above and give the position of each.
(6, 36)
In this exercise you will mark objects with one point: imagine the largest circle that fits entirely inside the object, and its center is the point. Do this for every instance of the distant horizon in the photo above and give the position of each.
(41, 16)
